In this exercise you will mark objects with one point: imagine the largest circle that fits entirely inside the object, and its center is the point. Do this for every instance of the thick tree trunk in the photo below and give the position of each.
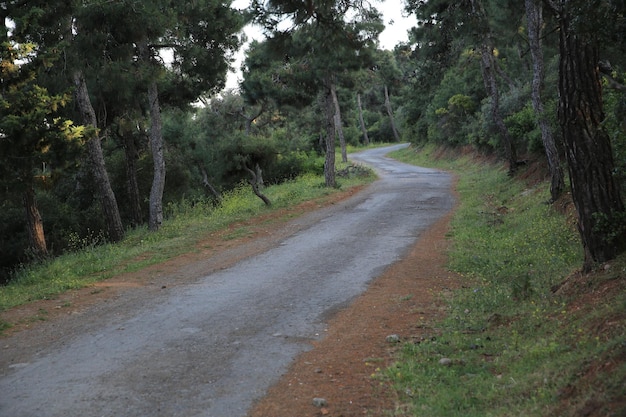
(366, 139)
(338, 124)
(132, 185)
(588, 148)
(107, 197)
(329, 162)
(396, 135)
(158, 158)
(34, 224)
(488, 67)
(534, 17)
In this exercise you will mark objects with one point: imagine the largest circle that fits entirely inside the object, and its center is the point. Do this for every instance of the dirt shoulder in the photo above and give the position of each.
(404, 301)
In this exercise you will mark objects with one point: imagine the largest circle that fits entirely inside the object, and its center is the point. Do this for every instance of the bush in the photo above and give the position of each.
(524, 130)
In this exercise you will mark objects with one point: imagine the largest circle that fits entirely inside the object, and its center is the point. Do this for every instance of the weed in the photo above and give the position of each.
(238, 233)
(4, 326)
(512, 346)
(186, 224)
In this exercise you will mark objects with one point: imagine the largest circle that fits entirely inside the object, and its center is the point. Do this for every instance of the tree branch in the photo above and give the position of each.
(255, 181)
(607, 71)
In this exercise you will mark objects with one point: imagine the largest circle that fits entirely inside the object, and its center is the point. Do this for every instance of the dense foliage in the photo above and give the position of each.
(527, 80)
(97, 121)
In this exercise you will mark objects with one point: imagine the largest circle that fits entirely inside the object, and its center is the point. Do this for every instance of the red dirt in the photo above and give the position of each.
(403, 301)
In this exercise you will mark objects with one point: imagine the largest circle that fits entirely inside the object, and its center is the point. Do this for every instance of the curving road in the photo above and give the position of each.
(212, 346)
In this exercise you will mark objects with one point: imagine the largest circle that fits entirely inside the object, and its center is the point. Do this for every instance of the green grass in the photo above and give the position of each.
(185, 225)
(516, 347)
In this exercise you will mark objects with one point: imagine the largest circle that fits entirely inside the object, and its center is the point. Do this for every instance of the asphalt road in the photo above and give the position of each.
(212, 346)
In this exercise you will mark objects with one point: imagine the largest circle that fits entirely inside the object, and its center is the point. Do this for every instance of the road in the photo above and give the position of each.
(212, 346)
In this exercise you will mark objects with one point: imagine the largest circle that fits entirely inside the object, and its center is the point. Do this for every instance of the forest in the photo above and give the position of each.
(111, 111)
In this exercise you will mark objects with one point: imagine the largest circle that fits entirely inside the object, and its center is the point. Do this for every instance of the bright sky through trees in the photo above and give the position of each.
(396, 27)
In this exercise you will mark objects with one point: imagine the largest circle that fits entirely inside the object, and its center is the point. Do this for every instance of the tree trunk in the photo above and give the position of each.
(132, 185)
(107, 197)
(208, 185)
(329, 162)
(158, 158)
(366, 139)
(488, 67)
(256, 182)
(588, 148)
(534, 17)
(157, 145)
(396, 135)
(36, 237)
(338, 124)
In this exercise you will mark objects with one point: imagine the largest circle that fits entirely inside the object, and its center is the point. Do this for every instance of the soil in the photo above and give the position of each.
(405, 301)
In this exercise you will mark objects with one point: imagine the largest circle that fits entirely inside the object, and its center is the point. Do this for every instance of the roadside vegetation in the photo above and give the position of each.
(527, 333)
(186, 223)
(91, 148)
(91, 123)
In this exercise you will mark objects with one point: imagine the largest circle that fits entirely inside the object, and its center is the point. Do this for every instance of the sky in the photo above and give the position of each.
(395, 31)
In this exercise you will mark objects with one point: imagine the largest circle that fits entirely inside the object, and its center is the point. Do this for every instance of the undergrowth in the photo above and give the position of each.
(186, 224)
(525, 334)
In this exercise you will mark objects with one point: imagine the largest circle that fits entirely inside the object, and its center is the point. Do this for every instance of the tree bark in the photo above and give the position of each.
(588, 148)
(34, 223)
(132, 185)
(534, 17)
(329, 161)
(107, 197)
(396, 135)
(157, 146)
(488, 67)
(338, 124)
(366, 139)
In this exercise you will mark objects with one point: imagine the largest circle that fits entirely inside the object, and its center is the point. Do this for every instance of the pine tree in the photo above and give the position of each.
(133, 35)
(596, 195)
(322, 45)
(34, 139)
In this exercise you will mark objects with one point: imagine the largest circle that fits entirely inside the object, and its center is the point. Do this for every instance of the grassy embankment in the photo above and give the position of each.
(185, 226)
(526, 335)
